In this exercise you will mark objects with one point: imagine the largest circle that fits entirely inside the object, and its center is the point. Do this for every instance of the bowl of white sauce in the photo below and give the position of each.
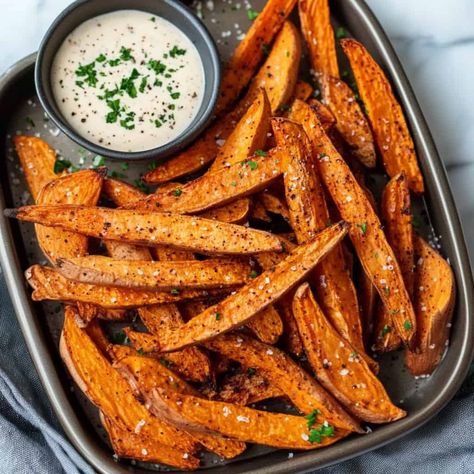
(128, 79)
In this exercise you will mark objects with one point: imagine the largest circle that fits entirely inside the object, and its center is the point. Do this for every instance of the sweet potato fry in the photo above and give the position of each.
(249, 135)
(259, 213)
(120, 192)
(274, 204)
(435, 294)
(238, 422)
(218, 188)
(375, 254)
(324, 114)
(267, 326)
(302, 91)
(315, 19)
(50, 285)
(247, 388)
(385, 114)
(251, 50)
(112, 395)
(277, 76)
(82, 187)
(152, 228)
(308, 215)
(291, 336)
(396, 215)
(338, 366)
(262, 291)
(273, 364)
(146, 374)
(235, 212)
(162, 276)
(37, 159)
(121, 251)
(350, 120)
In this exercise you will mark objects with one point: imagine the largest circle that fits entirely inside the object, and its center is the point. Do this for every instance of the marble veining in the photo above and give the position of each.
(433, 38)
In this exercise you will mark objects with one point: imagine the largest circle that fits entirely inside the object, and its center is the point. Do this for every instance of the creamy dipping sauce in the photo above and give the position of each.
(128, 80)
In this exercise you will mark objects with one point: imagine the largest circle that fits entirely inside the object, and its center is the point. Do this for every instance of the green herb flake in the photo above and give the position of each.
(266, 49)
(175, 95)
(89, 73)
(363, 228)
(101, 58)
(141, 186)
(140, 352)
(218, 316)
(127, 122)
(125, 54)
(385, 330)
(152, 165)
(166, 362)
(124, 166)
(285, 108)
(311, 418)
(233, 183)
(253, 274)
(174, 291)
(252, 14)
(407, 325)
(143, 84)
(119, 338)
(158, 123)
(341, 32)
(253, 165)
(113, 115)
(98, 161)
(128, 84)
(61, 164)
(30, 121)
(116, 174)
(114, 62)
(157, 66)
(251, 371)
(175, 51)
(177, 192)
(153, 19)
(261, 153)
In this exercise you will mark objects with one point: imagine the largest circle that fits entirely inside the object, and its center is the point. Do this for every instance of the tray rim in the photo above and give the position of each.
(42, 355)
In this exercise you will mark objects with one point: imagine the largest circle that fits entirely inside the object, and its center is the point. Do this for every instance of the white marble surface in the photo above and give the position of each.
(435, 42)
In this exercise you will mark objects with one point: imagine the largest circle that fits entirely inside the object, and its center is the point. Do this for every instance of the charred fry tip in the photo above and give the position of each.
(101, 171)
(11, 212)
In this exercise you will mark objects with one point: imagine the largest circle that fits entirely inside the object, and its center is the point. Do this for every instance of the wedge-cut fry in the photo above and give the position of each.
(120, 192)
(113, 396)
(396, 215)
(277, 76)
(291, 336)
(259, 212)
(128, 444)
(48, 284)
(206, 274)
(267, 326)
(375, 254)
(167, 253)
(272, 203)
(234, 213)
(350, 120)
(152, 228)
(37, 159)
(338, 366)
(249, 134)
(247, 388)
(251, 50)
(121, 251)
(385, 114)
(217, 188)
(191, 363)
(315, 19)
(238, 422)
(302, 91)
(262, 291)
(324, 114)
(435, 295)
(148, 374)
(273, 364)
(368, 298)
(308, 215)
(82, 187)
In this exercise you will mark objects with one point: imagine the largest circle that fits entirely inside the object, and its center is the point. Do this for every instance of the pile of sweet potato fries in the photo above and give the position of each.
(236, 314)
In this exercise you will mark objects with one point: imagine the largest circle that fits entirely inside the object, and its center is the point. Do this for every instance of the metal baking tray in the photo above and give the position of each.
(41, 322)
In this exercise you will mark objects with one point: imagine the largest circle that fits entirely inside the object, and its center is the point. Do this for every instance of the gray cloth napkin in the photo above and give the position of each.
(32, 442)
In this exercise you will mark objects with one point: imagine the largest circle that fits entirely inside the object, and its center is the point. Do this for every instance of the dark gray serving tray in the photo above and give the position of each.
(41, 323)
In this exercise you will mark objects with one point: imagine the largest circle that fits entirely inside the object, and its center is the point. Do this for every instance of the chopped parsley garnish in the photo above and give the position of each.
(125, 54)
(251, 371)
(175, 51)
(152, 165)
(128, 84)
(218, 316)
(341, 32)
(61, 164)
(113, 115)
(174, 291)
(175, 95)
(407, 325)
(285, 108)
(158, 123)
(363, 228)
(385, 330)
(143, 84)
(153, 19)
(177, 192)
(157, 66)
(261, 153)
(141, 186)
(89, 73)
(114, 62)
(316, 435)
(253, 274)
(140, 351)
(124, 166)
(127, 122)
(266, 49)
(119, 337)
(101, 58)
(116, 174)
(311, 418)
(166, 362)
(253, 165)
(252, 14)
(98, 161)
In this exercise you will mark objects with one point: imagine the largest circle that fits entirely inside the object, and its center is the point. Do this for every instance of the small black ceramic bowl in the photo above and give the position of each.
(171, 10)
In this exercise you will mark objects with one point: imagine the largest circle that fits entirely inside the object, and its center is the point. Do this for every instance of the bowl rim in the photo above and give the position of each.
(195, 128)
